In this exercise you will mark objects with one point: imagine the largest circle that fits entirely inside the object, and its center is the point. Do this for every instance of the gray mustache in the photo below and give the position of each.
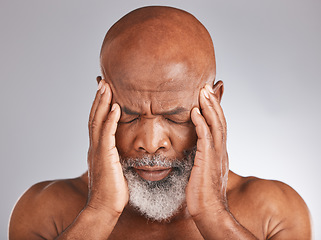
(185, 163)
(150, 161)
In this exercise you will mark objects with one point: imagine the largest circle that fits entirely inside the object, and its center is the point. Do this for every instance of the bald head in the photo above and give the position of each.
(155, 47)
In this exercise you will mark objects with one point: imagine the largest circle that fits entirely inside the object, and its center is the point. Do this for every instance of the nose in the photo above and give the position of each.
(152, 137)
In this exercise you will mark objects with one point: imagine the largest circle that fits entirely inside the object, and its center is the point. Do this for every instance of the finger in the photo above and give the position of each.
(101, 112)
(94, 105)
(109, 128)
(216, 102)
(217, 107)
(212, 119)
(205, 139)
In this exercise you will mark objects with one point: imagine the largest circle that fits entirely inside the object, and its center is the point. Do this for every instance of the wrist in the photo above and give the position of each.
(106, 215)
(99, 207)
(90, 224)
(215, 210)
(211, 220)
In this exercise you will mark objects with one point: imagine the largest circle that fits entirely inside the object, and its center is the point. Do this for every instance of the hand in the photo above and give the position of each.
(108, 190)
(206, 190)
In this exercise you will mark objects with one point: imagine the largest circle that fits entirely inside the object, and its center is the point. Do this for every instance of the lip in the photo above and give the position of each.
(155, 173)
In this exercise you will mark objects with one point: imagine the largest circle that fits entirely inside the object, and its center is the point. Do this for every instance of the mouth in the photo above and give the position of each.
(155, 173)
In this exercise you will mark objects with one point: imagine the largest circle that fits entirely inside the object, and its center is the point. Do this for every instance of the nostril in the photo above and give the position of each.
(142, 149)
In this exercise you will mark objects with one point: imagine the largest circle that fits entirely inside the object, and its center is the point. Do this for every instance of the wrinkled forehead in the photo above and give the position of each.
(157, 95)
(157, 103)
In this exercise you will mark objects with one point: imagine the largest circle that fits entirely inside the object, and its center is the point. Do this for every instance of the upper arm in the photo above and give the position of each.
(290, 217)
(32, 217)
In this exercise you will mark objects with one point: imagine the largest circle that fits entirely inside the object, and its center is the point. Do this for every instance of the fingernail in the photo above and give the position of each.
(100, 85)
(205, 92)
(209, 88)
(113, 107)
(198, 111)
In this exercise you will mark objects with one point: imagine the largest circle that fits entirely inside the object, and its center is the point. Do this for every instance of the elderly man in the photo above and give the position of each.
(157, 161)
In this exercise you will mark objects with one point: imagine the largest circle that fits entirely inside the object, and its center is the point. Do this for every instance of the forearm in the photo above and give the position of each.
(221, 225)
(90, 224)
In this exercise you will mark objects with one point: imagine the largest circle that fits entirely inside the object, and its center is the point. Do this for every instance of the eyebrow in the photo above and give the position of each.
(174, 111)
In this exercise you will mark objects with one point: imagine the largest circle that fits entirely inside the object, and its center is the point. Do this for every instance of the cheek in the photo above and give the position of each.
(124, 139)
(183, 137)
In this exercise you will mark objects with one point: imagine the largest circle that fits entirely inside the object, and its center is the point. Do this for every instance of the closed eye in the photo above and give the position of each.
(177, 122)
(130, 121)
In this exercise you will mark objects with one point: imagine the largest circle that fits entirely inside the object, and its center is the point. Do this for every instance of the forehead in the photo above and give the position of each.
(155, 100)
(170, 77)
(161, 88)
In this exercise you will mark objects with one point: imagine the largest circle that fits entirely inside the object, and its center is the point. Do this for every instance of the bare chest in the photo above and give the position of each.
(185, 229)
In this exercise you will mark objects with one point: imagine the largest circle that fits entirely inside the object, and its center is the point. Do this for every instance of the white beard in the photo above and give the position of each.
(158, 200)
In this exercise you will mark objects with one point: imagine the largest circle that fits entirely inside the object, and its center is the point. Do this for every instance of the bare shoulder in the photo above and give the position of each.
(47, 208)
(276, 205)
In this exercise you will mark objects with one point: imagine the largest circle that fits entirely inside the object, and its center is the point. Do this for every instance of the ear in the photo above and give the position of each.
(218, 89)
(98, 78)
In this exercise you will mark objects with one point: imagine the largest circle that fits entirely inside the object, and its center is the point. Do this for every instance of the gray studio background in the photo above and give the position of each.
(268, 55)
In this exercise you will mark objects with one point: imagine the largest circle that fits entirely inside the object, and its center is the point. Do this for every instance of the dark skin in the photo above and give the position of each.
(157, 96)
